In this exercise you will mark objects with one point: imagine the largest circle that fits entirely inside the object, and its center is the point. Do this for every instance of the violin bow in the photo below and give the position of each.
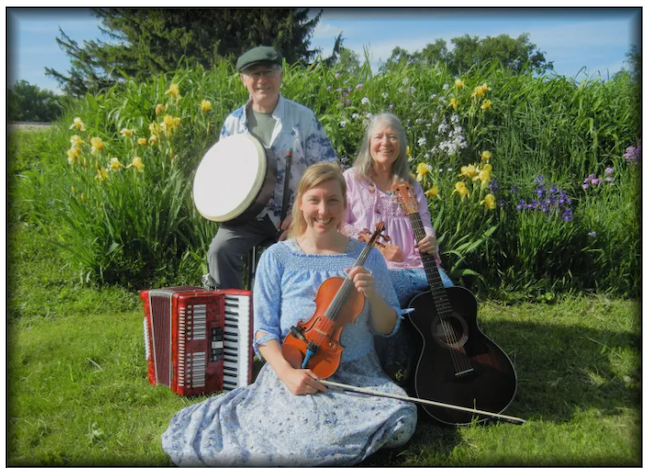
(352, 388)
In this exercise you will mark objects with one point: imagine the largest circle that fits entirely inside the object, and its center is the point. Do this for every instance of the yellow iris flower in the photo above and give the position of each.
(74, 153)
(479, 91)
(173, 90)
(153, 139)
(486, 104)
(459, 83)
(127, 132)
(432, 192)
(206, 105)
(76, 142)
(137, 164)
(487, 167)
(468, 171)
(486, 155)
(422, 170)
(102, 174)
(461, 189)
(159, 109)
(78, 123)
(115, 164)
(489, 201)
(142, 141)
(97, 145)
(453, 103)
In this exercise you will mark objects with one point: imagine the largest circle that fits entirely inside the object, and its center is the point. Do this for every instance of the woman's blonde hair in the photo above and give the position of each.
(313, 176)
(363, 164)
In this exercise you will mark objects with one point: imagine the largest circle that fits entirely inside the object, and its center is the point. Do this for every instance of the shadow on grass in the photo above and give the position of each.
(561, 370)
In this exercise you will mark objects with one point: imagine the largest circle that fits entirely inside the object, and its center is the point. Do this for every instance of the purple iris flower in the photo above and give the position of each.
(567, 215)
(584, 185)
(522, 205)
(592, 234)
(595, 182)
(514, 190)
(609, 171)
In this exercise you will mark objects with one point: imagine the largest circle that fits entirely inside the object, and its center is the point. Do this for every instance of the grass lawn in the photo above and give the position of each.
(78, 393)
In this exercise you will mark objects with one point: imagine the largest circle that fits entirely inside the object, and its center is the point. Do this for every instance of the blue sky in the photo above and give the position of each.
(596, 39)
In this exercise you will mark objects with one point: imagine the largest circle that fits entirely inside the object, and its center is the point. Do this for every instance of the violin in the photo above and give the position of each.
(316, 344)
(389, 252)
(458, 365)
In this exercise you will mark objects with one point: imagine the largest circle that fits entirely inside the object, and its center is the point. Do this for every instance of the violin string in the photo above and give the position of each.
(324, 327)
(440, 298)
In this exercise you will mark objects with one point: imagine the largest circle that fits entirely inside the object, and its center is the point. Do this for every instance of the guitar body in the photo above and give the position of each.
(458, 364)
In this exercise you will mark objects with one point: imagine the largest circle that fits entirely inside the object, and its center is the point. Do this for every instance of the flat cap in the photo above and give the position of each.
(259, 54)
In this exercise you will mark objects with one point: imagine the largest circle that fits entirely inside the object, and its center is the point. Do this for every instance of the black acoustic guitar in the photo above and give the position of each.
(457, 364)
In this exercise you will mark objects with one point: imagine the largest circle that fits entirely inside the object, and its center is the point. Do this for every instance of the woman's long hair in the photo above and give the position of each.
(363, 164)
(313, 176)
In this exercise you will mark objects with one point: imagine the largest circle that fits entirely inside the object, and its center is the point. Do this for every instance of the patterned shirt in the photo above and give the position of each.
(286, 284)
(368, 205)
(296, 128)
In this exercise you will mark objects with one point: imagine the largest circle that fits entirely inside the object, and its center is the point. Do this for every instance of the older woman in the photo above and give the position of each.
(381, 162)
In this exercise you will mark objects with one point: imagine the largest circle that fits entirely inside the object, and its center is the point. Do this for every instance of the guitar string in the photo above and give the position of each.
(442, 306)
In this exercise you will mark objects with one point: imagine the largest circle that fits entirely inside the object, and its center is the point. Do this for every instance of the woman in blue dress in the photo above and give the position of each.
(287, 417)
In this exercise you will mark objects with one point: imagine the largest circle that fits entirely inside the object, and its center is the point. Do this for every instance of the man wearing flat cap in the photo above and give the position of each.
(281, 126)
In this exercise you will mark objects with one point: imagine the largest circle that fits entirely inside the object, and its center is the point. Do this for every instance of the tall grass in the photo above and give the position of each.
(138, 227)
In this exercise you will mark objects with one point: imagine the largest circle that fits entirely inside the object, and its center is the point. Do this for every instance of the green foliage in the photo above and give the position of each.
(514, 54)
(29, 103)
(148, 41)
(485, 132)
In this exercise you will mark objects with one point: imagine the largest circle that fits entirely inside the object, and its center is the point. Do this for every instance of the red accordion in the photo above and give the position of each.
(198, 341)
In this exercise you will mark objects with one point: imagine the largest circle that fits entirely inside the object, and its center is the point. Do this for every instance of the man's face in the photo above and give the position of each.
(263, 83)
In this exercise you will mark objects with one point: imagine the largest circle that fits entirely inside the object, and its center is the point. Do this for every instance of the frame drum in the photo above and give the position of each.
(234, 180)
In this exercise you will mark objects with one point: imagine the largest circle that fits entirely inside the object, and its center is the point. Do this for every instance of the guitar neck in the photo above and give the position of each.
(430, 268)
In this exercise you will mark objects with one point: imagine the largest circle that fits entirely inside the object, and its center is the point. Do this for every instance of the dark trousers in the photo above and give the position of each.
(230, 244)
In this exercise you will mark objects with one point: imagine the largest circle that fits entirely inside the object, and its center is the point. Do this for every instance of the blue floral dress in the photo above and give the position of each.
(264, 424)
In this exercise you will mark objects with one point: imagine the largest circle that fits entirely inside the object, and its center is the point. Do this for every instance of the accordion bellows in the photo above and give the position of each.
(198, 341)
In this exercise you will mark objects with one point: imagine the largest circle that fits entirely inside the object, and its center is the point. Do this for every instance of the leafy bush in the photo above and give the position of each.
(480, 145)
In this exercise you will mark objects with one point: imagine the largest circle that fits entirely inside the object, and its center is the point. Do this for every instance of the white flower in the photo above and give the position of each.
(428, 125)
(370, 115)
(355, 116)
(445, 87)
(422, 141)
(433, 96)
(442, 128)
(342, 123)
(455, 118)
(365, 101)
(427, 156)
(406, 80)
(384, 95)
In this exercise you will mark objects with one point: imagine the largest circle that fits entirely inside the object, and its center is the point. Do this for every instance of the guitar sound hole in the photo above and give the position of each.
(450, 331)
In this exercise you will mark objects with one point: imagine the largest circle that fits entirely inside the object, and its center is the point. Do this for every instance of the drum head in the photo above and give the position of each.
(229, 177)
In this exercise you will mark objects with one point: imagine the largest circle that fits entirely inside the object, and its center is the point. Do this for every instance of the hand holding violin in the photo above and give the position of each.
(363, 280)
(383, 316)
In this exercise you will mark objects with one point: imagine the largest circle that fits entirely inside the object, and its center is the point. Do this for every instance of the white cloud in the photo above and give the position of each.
(327, 31)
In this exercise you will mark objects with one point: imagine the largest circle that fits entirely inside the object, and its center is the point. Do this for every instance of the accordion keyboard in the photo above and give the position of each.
(237, 341)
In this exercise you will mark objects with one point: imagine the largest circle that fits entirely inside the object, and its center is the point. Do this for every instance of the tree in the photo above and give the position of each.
(146, 41)
(516, 54)
(29, 103)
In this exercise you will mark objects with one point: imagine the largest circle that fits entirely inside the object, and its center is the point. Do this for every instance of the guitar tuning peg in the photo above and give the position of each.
(386, 237)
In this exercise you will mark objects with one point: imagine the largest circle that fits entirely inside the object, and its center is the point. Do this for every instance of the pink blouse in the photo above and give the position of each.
(368, 205)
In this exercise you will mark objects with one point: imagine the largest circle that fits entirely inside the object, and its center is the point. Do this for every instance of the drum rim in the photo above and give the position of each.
(257, 183)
